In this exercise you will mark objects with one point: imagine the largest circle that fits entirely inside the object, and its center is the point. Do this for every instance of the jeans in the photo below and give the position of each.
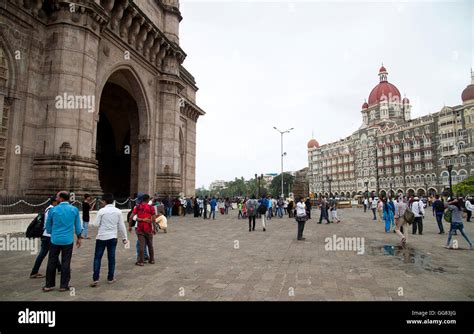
(213, 214)
(169, 212)
(373, 211)
(251, 218)
(365, 208)
(53, 260)
(100, 246)
(460, 227)
(240, 215)
(146, 240)
(469, 215)
(324, 215)
(85, 229)
(270, 213)
(138, 250)
(45, 246)
(280, 212)
(439, 220)
(300, 229)
(417, 224)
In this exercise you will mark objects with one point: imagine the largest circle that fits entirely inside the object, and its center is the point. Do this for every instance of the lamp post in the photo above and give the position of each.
(450, 169)
(282, 155)
(329, 181)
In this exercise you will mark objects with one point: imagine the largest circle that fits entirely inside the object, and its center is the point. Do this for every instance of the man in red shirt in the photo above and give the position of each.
(145, 215)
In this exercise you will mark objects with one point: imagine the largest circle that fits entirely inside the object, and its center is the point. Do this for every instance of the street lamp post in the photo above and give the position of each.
(282, 155)
(450, 169)
(329, 181)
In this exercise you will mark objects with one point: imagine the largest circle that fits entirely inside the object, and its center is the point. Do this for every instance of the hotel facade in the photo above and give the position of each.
(391, 153)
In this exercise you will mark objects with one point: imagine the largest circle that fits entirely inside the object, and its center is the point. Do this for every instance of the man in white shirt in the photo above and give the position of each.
(373, 207)
(419, 211)
(109, 219)
(45, 243)
(301, 217)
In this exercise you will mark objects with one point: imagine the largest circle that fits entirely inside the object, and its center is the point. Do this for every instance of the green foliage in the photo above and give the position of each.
(465, 187)
(237, 187)
(275, 186)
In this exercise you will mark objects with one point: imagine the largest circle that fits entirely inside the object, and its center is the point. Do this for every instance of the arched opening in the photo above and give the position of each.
(117, 141)
(120, 125)
(432, 191)
(410, 192)
(421, 192)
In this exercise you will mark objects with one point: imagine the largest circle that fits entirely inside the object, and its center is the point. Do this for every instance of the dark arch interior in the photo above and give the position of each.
(117, 141)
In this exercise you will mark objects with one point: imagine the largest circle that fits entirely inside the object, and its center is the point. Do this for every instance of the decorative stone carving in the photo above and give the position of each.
(133, 32)
(126, 22)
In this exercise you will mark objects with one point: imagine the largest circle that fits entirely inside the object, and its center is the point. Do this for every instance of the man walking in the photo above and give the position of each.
(400, 209)
(280, 205)
(269, 207)
(205, 203)
(324, 211)
(63, 221)
(109, 220)
(213, 204)
(45, 243)
(419, 211)
(438, 211)
(308, 207)
(373, 207)
(251, 205)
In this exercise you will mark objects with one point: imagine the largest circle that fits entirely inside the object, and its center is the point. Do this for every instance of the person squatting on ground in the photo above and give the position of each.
(109, 221)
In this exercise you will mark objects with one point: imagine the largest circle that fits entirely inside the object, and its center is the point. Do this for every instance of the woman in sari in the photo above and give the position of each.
(388, 213)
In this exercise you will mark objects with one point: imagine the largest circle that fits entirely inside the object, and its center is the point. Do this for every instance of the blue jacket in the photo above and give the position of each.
(62, 221)
(213, 203)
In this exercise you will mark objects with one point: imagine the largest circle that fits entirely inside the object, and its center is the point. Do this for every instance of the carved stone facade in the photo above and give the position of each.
(94, 97)
(392, 153)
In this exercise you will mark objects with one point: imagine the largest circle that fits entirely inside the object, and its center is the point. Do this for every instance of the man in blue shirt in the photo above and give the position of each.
(213, 204)
(63, 220)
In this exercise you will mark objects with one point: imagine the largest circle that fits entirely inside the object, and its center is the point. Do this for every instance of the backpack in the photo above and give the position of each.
(439, 206)
(262, 209)
(409, 216)
(448, 216)
(36, 227)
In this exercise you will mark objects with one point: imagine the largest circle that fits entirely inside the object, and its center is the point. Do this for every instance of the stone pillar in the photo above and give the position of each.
(71, 53)
(168, 178)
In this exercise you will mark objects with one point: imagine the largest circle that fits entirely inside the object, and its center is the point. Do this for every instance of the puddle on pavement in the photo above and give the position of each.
(407, 255)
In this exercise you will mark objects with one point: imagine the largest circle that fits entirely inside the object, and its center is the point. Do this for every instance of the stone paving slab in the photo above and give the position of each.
(220, 260)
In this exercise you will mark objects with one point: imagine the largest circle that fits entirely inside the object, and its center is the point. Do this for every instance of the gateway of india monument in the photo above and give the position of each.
(94, 98)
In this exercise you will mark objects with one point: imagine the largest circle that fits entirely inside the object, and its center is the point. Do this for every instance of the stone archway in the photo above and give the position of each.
(121, 150)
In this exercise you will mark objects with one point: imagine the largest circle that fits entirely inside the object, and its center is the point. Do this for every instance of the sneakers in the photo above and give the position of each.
(94, 284)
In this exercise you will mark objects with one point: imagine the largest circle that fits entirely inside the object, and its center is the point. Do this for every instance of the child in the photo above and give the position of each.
(334, 213)
(162, 222)
(239, 206)
(244, 210)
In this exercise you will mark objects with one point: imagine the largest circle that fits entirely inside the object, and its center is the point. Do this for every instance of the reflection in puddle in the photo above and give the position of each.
(407, 255)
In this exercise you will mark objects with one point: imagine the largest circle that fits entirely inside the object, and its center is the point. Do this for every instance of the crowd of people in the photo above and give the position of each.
(149, 215)
(404, 210)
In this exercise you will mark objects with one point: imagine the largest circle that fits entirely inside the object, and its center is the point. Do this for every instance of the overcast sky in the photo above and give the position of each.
(310, 65)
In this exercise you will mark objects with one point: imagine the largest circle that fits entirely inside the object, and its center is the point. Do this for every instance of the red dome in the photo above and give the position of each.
(383, 89)
(365, 105)
(468, 93)
(313, 143)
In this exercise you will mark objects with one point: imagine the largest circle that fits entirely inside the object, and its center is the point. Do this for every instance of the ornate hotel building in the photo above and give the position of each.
(392, 153)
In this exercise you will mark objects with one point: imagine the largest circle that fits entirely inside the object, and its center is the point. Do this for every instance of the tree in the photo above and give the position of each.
(275, 186)
(465, 187)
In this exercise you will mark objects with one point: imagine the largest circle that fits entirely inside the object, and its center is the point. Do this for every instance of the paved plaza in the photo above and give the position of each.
(221, 261)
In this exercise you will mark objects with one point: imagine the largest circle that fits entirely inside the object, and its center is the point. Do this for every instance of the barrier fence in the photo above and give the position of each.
(11, 205)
